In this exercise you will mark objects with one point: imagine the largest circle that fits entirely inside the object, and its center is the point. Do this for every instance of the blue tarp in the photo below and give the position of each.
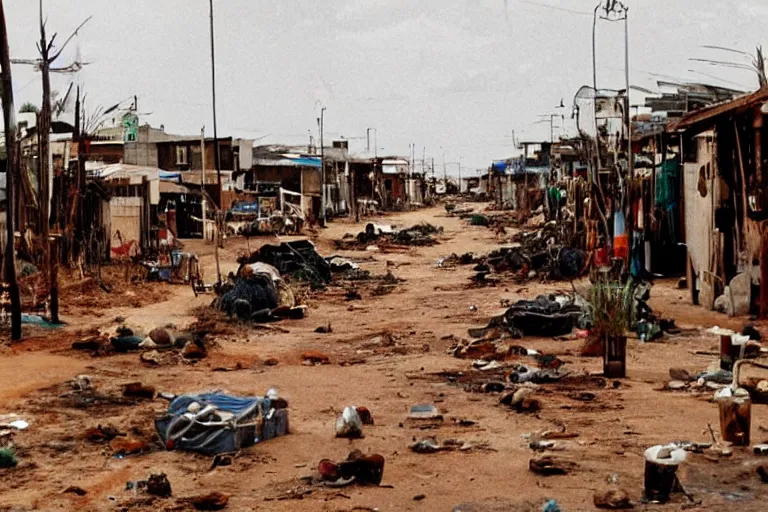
(237, 405)
(169, 176)
(246, 208)
(306, 161)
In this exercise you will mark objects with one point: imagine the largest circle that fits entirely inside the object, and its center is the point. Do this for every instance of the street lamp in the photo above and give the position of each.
(322, 162)
(613, 10)
(217, 160)
(460, 173)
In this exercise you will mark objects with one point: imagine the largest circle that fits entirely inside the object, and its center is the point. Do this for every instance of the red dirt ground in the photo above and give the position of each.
(614, 429)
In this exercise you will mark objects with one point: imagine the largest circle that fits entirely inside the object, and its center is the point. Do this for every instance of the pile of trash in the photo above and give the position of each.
(161, 345)
(547, 315)
(553, 263)
(258, 293)
(420, 234)
(383, 234)
(298, 259)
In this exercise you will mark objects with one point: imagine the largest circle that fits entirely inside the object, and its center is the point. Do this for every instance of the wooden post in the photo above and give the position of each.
(54, 280)
(12, 171)
(764, 272)
(758, 127)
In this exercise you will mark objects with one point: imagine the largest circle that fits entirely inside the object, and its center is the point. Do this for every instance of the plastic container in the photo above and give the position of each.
(615, 357)
(735, 415)
(621, 246)
(601, 258)
(661, 464)
(732, 348)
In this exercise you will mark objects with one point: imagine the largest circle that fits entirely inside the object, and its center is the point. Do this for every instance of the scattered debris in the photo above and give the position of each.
(424, 416)
(139, 390)
(8, 458)
(431, 445)
(548, 465)
(313, 357)
(158, 485)
(298, 259)
(128, 445)
(357, 468)
(547, 316)
(661, 464)
(384, 236)
(551, 506)
(210, 501)
(13, 421)
(614, 499)
(349, 424)
(101, 434)
(762, 471)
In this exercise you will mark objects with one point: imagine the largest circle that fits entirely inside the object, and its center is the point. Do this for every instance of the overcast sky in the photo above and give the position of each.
(456, 76)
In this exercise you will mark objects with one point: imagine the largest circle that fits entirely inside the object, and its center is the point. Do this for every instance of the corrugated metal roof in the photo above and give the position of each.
(127, 172)
(709, 113)
(168, 187)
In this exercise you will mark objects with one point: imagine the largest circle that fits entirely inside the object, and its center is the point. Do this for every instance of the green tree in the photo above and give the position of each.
(29, 107)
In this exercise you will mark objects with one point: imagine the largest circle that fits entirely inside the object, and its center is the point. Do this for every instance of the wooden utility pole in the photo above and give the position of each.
(50, 261)
(12, 170)
(202, 186)
(44, 161)
(216, 155)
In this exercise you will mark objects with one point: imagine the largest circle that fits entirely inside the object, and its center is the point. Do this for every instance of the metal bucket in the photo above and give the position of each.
(661, 464)
(735, 415)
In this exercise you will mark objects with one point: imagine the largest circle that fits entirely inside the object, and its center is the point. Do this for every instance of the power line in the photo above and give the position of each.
(555, 8)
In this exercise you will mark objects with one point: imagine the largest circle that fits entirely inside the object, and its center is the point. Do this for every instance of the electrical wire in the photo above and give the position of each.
(555, 8)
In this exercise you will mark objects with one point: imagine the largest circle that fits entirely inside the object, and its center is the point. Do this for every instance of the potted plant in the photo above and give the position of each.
(611, 305)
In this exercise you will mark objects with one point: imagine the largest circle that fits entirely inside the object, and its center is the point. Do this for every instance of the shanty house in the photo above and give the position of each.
(298, 176)
(725, 202)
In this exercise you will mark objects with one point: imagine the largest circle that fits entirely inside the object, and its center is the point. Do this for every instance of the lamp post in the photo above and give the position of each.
(460, 173)
(217, 161)
(613, 10)
(322, 162)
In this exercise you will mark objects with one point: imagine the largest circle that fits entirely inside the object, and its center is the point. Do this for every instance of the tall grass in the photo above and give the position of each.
(611, 305)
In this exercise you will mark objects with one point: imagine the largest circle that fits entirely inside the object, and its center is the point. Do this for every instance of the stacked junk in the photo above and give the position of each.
(532, 254)
(258, 292)
(382, 234)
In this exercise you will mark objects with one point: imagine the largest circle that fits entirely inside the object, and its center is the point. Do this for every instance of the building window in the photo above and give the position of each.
(182, 156)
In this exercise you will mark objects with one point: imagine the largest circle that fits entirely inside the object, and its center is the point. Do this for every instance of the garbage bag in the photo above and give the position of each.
(571, 262)
(545, 316)
(249, 295)
(298, 259)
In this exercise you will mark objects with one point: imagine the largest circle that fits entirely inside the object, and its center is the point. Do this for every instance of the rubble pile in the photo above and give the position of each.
(525, 262)
(298, 259)
(162, 345)
(547, 315)
(423, 234)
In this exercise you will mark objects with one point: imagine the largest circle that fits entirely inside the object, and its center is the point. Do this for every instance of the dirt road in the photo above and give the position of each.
(614, 423)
